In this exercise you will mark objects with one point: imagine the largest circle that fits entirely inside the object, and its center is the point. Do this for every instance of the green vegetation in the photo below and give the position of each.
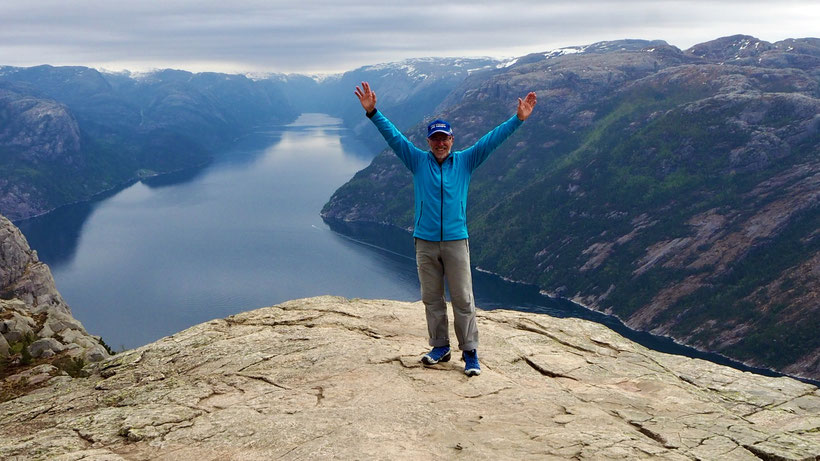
(73, 366)
(106, 347)
(21, 348)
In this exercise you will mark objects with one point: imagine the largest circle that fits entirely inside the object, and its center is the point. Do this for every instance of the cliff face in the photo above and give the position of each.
(333, 378)
(35, 322)
(675, 189)
(68, 133)
(35, 132)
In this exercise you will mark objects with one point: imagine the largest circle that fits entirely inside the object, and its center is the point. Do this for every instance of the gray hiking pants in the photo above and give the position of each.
(450, 259)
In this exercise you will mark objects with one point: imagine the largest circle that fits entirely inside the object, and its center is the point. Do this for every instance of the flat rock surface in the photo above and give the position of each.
(329, 377)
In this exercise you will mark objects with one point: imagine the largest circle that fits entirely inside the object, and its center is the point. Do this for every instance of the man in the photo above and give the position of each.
(440, 183)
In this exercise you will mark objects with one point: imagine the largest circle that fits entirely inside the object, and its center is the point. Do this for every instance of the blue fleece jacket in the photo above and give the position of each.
(441, 190)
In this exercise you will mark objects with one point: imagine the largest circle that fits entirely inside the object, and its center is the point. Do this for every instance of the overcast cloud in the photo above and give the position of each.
(315, 36)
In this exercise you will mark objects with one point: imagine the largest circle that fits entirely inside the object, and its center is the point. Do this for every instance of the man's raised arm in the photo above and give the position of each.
(478, 152)
(404, 149)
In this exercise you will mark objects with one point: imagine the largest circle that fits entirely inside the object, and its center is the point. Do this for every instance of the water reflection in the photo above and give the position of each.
(56, 234)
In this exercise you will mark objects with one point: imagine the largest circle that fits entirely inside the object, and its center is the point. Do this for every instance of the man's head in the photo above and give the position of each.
(440, 139)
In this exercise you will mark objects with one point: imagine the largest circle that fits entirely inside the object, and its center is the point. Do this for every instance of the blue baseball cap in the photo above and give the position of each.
(439, 126)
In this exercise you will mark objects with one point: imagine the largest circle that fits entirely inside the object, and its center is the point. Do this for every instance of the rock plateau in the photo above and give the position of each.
(332, 378)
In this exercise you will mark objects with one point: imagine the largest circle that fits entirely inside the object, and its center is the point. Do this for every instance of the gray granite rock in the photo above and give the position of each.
(31, 305)
(4, 347)
(45, 347)
(16, 327)
(36, 375)
(59, 322)
(331, 378)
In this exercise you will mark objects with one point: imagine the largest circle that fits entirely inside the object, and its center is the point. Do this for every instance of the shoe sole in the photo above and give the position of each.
(429, 361)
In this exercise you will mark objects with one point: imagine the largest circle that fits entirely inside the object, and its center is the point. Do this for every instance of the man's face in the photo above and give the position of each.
(440, 145)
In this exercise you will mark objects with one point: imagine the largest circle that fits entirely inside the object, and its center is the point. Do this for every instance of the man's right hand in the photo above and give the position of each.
(366, 96)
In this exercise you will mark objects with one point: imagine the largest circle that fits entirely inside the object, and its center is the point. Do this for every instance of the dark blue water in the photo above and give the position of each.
(244, 232)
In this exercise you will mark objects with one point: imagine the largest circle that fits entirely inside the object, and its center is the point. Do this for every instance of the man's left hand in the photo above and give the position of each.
(526, 105)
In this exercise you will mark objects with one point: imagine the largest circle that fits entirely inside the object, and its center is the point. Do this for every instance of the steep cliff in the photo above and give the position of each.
(675, 189)
(36, 325)
(330, 378)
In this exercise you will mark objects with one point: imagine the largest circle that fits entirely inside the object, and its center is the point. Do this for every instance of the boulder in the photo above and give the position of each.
(96, 353)
(81, 339)
(45, 347)
(17, 327)
(58, 322)
(45, 332)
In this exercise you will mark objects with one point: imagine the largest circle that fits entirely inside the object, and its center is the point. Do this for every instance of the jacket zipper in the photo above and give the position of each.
(441, 183)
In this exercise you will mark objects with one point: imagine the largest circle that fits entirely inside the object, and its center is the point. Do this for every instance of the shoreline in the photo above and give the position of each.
(113, 189)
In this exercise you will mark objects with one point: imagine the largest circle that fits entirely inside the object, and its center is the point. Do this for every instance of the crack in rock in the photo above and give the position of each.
(776, 404)
(86, 437)
(274, 323)
(544, 371)
(657, 437)
(539, 330)
(320, 395)
(764, 455)
(607, 345)
(497, 391)
(263, 379)
(396, 359)
(359, 329)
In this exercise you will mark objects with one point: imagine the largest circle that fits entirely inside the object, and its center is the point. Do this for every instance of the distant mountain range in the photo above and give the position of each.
(677, 189)
(68, 133)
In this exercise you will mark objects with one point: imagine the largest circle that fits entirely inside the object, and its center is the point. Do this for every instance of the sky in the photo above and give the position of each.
(326, 36)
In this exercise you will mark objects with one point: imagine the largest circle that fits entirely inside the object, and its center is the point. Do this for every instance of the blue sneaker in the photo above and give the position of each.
(471, 366)
(438, 354)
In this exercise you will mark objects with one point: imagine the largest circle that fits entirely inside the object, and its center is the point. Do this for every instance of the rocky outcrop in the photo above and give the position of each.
(331, 378)
(35, 133)
(35, 321)
(41, 128)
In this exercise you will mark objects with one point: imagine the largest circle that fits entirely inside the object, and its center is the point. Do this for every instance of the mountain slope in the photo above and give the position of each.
(411, 89)
(69, 133)
(677, 190)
